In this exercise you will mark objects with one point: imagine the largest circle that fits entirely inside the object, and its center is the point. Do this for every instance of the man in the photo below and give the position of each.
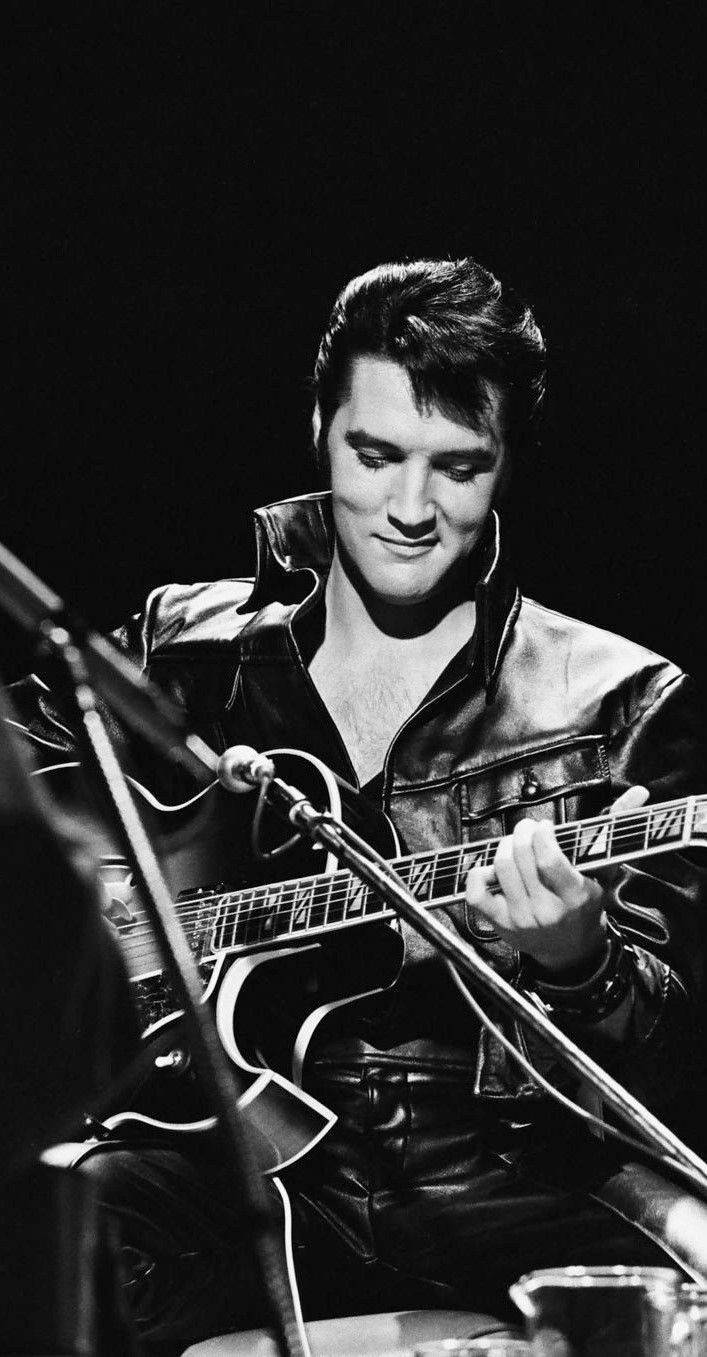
(386, 635)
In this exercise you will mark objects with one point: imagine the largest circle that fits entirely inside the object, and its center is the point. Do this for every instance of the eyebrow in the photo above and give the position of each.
(483, 455)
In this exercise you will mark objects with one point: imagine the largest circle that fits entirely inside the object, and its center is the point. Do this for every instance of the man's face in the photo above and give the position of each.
(411, 491)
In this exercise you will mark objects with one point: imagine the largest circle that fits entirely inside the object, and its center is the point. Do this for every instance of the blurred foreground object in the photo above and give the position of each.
(66, 1018)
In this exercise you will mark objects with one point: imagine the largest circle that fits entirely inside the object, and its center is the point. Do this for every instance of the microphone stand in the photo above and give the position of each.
(86, 656)
(377, 873)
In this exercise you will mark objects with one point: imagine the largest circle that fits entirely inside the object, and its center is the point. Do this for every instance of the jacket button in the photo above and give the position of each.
(530, 788)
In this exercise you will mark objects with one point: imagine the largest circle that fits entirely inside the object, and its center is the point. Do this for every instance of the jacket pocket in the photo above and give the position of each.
(554, 782)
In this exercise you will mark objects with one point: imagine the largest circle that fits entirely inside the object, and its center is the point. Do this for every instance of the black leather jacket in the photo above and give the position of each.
(541, 715)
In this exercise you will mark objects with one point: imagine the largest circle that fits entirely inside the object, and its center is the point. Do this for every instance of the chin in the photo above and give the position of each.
(402, 598)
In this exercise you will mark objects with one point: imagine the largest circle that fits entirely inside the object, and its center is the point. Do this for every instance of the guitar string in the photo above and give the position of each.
(333, 889)
(243, 922)
(445, 862)
(234, 900)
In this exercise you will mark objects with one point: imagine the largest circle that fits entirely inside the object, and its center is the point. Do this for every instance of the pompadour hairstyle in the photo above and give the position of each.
(458, 332)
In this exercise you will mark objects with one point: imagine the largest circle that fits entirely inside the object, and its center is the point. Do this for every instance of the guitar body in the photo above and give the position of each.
(270, 1001)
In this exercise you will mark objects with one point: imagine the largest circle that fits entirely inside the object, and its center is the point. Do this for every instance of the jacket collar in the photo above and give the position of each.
(294, 545)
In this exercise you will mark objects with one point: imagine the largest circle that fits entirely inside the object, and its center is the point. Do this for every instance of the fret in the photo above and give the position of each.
(237, 913)
(418, 877)
(300, 907)
(219, 924)
(592, 842)
(628, 835)
(698, 817)
(444, 873)
(243, 899)
(318, 905)
(229, 916)
(280, 916)
(273, 902)
(375, 904)
(336, 908)
(472, 855)
(570, 848)
(198, 933)
(329, 897)
(356, 895)
(610, 837)
(249, 920)
(438, 876)
(263, 921)
(665, 825)
(282, 906)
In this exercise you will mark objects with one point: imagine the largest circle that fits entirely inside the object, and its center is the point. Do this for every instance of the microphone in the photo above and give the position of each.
(242, 768)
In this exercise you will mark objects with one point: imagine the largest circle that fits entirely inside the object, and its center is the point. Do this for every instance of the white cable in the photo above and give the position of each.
(544, 1084)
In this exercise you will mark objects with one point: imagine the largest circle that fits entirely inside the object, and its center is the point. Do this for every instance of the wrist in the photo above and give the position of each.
(594, 996)
(576, 958)
(573, 969)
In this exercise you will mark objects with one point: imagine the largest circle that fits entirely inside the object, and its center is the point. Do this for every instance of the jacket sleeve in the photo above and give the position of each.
(643, 1015)
(42, 703)
(185, 638)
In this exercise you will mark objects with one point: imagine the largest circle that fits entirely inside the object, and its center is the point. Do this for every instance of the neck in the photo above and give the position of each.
(355, 613)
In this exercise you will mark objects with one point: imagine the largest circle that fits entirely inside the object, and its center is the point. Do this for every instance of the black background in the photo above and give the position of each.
(191, 185)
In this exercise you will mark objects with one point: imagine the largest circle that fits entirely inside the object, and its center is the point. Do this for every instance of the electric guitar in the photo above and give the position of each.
(280, 958)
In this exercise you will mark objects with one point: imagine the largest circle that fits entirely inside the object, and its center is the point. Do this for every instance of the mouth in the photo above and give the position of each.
(404, 544)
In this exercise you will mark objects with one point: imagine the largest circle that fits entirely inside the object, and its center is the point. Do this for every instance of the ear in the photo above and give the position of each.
(321, 460)
(504, 478)
(316, 425)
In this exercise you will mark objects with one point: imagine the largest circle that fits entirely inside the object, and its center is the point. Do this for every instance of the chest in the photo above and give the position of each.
(370, 699)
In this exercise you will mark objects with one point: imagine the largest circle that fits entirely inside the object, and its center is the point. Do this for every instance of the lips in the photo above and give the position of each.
(405, 544)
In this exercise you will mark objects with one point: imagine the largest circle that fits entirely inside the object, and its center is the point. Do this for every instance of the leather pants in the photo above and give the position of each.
(419, 1197)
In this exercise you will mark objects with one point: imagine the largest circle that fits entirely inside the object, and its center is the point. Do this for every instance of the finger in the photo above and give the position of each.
(631, 799)
(555, 871)
(491, 906)
(478, 882)
(524, 855)
(511, 882)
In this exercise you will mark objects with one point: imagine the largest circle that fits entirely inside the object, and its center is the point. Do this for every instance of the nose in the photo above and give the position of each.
(411, 510)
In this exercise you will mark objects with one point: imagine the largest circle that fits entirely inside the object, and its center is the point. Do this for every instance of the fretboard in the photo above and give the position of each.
(263, 915)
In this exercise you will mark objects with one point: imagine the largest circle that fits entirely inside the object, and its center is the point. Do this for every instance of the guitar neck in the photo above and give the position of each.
(314, 905)
(269, 915)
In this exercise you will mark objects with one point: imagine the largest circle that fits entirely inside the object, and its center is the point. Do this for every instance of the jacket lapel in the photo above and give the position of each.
(294, 542)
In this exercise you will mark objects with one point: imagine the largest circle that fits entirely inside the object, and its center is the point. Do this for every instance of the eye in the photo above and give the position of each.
(375, 461)
(464, 474)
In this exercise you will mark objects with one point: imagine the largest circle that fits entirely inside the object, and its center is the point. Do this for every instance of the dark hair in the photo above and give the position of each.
(455, 329)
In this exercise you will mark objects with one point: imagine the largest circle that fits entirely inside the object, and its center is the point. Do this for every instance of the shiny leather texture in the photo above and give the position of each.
(541, 716)
(408, 1202)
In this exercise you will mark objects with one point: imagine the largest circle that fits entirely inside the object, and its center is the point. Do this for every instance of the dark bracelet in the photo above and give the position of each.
(596, 997)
